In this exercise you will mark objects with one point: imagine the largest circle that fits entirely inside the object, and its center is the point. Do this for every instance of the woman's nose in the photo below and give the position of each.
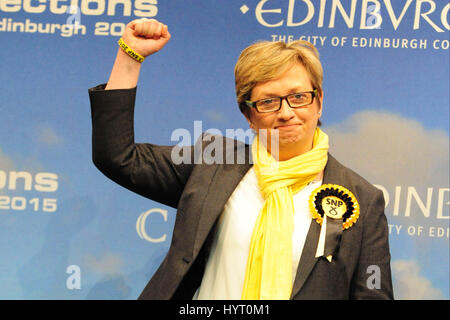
(286, 112)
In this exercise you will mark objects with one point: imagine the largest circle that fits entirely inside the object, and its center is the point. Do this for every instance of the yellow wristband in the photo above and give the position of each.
(136, 56)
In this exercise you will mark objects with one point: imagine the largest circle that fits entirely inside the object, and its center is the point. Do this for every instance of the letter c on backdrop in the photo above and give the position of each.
(140, 225)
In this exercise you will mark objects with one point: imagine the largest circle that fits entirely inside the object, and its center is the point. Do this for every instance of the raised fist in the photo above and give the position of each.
(146, 36)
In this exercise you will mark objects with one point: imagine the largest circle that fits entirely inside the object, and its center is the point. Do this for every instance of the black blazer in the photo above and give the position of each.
(200, 191)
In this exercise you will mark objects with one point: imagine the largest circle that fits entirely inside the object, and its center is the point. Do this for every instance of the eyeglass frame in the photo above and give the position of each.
(252, 104)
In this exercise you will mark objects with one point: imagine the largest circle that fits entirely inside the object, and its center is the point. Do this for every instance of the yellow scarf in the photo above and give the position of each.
(269, 265)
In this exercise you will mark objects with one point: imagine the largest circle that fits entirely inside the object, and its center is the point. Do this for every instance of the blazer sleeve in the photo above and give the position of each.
(144, 168)
(372, 278)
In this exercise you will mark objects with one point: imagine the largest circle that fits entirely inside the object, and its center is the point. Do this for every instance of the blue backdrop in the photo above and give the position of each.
(67, 232)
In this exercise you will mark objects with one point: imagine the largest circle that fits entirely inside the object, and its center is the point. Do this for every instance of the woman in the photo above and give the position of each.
(296, 224)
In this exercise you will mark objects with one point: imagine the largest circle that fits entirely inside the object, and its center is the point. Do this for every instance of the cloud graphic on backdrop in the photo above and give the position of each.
(411, 284)
(47, 136)
(6, 163)
(111, 287)
(108, 263)
(215, 116)
(387, 148)
(113, 284)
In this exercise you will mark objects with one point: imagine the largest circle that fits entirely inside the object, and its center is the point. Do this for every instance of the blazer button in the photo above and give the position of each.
(187, 259)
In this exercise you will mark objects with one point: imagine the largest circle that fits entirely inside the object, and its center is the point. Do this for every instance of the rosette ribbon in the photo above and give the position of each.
(336, 209)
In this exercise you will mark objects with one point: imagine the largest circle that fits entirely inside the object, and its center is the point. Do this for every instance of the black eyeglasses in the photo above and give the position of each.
(272, 104)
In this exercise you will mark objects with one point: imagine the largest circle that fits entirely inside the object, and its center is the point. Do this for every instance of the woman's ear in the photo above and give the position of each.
(320, 99)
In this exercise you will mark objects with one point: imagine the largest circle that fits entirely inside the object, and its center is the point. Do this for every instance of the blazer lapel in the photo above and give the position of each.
(225, 180)
(308, 259)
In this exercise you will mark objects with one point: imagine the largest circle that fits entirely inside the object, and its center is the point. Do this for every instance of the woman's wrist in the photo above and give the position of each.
(125, 72)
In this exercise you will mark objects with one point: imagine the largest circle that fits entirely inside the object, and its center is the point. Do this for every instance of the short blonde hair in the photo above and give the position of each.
(267, 60)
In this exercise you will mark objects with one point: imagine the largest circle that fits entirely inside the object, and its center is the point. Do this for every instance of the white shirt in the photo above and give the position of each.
(226, 266)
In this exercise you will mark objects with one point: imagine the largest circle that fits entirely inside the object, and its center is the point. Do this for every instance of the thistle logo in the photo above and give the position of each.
(140, 225)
